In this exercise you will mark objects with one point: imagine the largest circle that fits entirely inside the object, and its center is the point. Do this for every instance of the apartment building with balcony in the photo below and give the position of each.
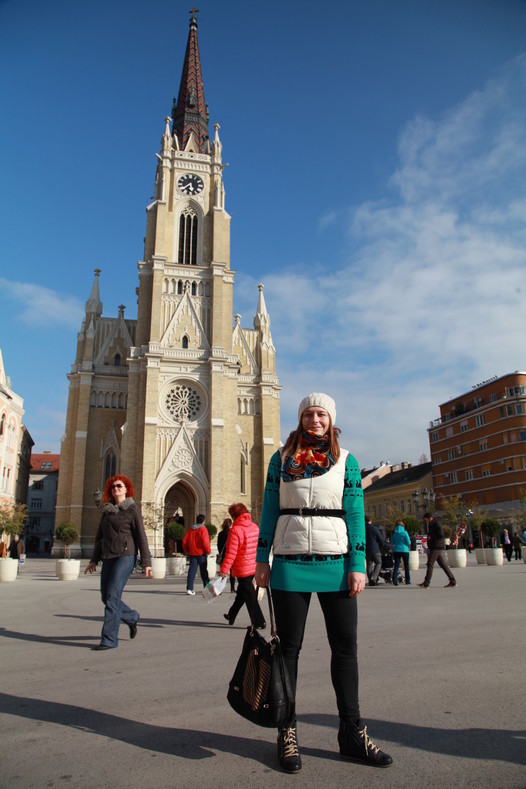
(478, 445)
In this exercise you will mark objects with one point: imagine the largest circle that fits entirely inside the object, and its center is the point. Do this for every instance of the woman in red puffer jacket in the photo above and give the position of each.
(240, 557)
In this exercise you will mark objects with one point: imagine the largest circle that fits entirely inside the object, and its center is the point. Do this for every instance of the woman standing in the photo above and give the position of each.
(240, 558)
(401, 542)
(313, 519)
(119, 537)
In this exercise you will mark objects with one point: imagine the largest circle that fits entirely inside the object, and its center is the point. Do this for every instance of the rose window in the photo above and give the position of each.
(183, 403)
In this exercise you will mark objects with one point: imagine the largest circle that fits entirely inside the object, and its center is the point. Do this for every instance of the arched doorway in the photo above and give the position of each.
(180, 500)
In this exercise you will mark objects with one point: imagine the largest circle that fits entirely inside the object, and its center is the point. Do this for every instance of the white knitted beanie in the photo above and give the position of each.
(318, 398)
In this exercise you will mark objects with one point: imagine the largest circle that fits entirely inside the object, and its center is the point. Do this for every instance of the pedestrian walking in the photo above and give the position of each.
(119, 538)
(436, 551)
(196, 543)
(401, 543)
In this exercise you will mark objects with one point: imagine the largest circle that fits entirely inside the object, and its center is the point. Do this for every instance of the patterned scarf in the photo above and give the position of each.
(312, 458)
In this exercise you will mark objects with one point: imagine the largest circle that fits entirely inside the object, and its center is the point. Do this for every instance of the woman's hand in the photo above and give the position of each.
(90, 568)
(262, 574)
(356, 583)
(148, 572)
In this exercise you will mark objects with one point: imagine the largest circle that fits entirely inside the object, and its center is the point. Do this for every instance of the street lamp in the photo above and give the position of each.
(97, 495)
(428, 498)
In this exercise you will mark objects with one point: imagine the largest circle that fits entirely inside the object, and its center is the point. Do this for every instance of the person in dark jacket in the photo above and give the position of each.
(374, 545)
(221, 545)
(119, 538)
(436, 550)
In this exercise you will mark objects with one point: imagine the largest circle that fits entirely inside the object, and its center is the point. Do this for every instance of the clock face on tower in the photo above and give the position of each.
(190, 184)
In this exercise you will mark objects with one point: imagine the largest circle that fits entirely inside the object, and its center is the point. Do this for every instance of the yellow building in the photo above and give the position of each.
(406, 491)
(183, 400)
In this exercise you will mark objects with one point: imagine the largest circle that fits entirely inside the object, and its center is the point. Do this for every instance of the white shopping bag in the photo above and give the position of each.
(214, 588)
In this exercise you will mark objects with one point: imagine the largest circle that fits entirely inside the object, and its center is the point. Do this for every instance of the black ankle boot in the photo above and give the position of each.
(288, 752)
(356, 745)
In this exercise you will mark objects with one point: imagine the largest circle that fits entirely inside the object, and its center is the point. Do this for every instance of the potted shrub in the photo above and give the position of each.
(491, 528)
(174, 531)
(12, 521)
(67, 569)
(455, 518)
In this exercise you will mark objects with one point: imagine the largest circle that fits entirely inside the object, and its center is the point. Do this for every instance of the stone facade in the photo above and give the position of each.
(183, 400)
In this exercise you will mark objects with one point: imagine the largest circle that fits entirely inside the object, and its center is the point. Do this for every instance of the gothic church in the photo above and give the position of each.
(183, 400)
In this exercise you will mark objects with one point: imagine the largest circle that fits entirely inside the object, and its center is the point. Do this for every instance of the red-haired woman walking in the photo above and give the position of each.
(240, 557)
(119, 537)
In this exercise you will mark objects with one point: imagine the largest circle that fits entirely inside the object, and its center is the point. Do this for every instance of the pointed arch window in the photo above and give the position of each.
(185, 341)
(117, 361)
(2, 425)
(110, 465)
(188, 238)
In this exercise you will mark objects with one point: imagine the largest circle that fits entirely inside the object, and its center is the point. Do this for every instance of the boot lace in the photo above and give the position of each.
(369, 745)
(290, 743)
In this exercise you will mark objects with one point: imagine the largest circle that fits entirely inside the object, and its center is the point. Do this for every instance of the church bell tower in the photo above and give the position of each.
(183, 400)
(203, 396)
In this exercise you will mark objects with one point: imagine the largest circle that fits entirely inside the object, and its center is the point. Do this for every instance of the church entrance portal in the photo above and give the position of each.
(180, 500)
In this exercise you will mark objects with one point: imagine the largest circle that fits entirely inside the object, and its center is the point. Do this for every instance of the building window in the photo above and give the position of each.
(519, 408)
(449, 432)
(402, 506)
(522, 435)
(39, 485)
(110, 465)
(453, 476)
(463, 427)
(479, 420)
(492, 398)
(451, 454)
(486, 471)
(469, 475)
(36, 504)
(483, 446)
(434, 437)
(188, 239)
(185, 342)
(2, 425)
(515, 391)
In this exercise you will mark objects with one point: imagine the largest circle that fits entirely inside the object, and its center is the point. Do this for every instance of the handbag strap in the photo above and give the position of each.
(273, 631)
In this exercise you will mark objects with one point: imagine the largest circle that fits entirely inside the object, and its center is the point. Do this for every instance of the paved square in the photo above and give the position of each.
(442, 688)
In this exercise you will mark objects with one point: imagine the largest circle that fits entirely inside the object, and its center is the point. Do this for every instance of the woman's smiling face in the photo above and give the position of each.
(316, 420)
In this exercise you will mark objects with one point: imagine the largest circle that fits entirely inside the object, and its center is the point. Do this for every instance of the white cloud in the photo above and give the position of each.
(431, 298)
(38, 304)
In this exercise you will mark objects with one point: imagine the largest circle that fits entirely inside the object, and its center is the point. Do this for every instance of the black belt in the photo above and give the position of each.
(314, 511)
(311, 557)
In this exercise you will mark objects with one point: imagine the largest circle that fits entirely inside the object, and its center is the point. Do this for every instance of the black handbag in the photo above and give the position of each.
(260, 689)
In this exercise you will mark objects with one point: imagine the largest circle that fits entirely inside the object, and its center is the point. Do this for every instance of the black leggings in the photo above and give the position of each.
(341, 619)
(247, 595)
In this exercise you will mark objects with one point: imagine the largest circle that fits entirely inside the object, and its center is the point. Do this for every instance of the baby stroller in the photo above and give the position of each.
(388, 566)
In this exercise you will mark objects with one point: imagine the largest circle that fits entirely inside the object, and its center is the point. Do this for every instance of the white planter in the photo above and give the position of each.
(457, 557)
(480, 555)
(494, 556)
(414, 560)
(67, 569)
(176, 565)
(8, 570)
(159, 567)
(211, 566)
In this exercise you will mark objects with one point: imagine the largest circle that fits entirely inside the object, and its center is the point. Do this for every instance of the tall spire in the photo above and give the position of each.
(94, 304)
(190, 113)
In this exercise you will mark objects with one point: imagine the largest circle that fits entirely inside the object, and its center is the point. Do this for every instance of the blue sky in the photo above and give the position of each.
(376, 182)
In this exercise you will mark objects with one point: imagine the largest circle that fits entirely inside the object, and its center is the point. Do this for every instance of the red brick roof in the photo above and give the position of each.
(39, 462)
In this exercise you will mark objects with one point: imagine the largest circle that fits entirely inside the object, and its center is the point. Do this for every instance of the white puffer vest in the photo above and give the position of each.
(313, 534)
